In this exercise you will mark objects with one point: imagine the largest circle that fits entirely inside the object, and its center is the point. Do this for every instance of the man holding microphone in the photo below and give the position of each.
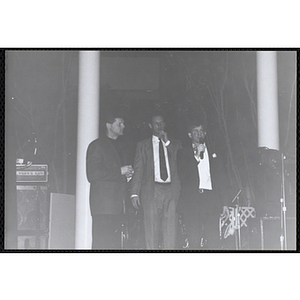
(203, 189)
(155, 185)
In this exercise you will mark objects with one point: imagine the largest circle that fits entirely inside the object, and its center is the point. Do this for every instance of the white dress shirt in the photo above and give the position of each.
(204, 171)
(155, 145)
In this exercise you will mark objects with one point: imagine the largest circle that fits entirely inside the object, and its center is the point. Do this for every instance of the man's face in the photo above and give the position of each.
(157, 125)
(117, 127)
(197, 134)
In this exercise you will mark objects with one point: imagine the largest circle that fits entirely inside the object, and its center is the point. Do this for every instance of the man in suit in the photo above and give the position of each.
(203, 187)
(156, 186)
(107, 173)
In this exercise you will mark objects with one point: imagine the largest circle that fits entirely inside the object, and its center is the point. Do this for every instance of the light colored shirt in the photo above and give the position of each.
(155, 145)
(204, 171)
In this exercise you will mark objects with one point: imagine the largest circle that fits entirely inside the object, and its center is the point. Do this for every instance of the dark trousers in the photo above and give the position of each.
(160, 216)
(201, 220)
(106, 231)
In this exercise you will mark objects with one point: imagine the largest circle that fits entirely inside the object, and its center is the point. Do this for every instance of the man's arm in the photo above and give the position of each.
(137, 177)
(138, 166)
(173, 146)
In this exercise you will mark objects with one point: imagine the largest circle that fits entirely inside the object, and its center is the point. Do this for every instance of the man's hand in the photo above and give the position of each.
(164, 136)
(201, 148)
(127, 171)
(135, 202)
(198, 149)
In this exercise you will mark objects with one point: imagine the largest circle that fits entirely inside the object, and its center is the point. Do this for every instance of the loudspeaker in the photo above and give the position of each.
(33, 207)
(33, 216)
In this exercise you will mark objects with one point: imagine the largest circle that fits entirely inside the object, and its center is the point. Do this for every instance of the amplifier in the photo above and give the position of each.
(31, 173)
(33, 216)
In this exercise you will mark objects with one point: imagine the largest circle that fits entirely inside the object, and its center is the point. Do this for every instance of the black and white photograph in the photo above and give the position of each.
(150, 150)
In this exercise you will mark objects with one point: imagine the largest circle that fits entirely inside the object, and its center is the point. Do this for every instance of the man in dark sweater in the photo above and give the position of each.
(108, 175)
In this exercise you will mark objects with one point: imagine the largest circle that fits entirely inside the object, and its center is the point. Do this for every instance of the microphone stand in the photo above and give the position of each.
(35, 149)
(28, 141)
(283, 239)
(124, 230)
(237, 221)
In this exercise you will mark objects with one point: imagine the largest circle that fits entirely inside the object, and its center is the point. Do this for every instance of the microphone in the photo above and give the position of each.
(35, 149)
(202, 141)
(201, 155)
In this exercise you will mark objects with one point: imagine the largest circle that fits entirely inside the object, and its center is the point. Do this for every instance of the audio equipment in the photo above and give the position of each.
(33, 216)
(31, 173)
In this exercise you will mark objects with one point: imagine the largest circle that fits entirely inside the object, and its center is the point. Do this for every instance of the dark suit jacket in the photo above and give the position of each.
(188, 173)
(142, 183)
(108, 186)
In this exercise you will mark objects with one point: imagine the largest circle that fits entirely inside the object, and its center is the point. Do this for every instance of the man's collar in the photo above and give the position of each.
(110, 137)
(155, 138)
(194, 144)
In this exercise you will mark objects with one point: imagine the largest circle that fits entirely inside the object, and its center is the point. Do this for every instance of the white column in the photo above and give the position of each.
(267, 100)
(87, 131)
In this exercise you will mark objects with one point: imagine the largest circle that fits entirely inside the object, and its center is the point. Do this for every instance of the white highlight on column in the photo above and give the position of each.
(87, 131)
(267, 100)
